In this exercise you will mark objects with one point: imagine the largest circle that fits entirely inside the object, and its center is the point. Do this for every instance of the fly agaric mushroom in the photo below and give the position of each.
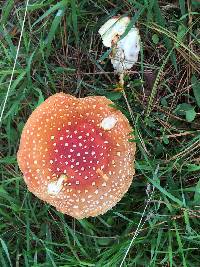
(75, 154)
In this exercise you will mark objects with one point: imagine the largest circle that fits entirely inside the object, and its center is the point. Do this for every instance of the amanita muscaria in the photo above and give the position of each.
(75, 154)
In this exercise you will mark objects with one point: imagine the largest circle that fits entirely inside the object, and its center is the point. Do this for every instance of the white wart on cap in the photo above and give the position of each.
(75, 154)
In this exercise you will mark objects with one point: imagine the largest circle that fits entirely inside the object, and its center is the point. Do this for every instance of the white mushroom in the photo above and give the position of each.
(125, 50)
(125, 55)
(113, 27)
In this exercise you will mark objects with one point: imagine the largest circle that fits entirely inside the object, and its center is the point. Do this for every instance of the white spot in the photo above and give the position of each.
(52, 137)
(108, 123)
(61, 138)
(54, 188)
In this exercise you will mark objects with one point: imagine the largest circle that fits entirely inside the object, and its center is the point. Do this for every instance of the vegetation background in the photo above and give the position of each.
(157, 222)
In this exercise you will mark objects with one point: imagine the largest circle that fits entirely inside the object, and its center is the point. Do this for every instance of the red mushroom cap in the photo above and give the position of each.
(75, 154)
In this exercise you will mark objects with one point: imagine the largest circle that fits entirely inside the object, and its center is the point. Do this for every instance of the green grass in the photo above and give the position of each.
(61, 51)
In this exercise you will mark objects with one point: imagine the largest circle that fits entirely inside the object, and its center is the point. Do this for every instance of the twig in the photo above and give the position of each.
(140, 224)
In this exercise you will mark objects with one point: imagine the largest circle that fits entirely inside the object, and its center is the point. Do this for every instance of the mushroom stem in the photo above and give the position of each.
(120, 85)
(121, 80)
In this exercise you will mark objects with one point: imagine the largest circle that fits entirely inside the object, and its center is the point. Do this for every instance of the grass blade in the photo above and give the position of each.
(5, 249)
